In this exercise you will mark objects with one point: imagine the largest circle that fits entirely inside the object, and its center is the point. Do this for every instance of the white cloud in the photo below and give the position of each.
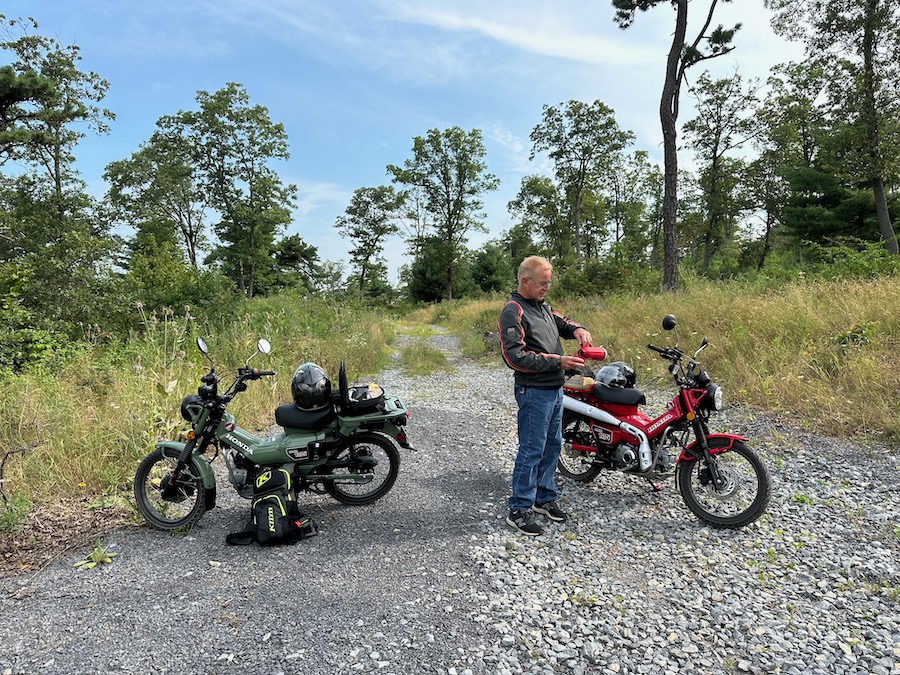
(537, 28)
(315, 198)
(515, 149)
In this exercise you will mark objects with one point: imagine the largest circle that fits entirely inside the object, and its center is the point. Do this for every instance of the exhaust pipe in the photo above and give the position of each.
(645, 457)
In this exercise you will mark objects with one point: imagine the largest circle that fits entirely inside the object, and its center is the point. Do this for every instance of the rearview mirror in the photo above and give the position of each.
(201, 345)
(668, 322)
(264, 346)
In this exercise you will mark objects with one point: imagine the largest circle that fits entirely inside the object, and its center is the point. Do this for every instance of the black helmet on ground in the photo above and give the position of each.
(310, 387)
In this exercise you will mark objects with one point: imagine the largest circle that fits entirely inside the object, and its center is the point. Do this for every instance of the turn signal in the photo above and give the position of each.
(690, 416)
(191, 435)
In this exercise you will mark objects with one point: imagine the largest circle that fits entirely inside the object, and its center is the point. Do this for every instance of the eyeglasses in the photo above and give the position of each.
(542, 284)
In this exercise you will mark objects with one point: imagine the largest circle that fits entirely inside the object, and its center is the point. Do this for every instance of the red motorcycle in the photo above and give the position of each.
(721, 479)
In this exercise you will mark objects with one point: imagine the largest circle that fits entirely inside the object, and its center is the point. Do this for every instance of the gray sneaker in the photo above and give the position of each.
(550, 510)
(523, 521)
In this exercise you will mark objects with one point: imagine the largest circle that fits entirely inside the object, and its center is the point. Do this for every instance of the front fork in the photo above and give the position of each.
(168, 486)
(700, 433)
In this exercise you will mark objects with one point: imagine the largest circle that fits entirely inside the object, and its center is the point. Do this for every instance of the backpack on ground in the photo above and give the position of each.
(275, 517)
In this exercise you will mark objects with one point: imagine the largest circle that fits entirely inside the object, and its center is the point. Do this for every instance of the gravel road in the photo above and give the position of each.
(431, 580)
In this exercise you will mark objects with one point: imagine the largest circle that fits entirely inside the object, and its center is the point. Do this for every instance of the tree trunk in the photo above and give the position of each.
(884, 218)
(870, 114)
(767, 241)
(668, 114)
(450, 259)
(576, 222)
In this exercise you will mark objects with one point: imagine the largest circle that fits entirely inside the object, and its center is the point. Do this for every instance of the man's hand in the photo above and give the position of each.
(570, 362)
(583, 337)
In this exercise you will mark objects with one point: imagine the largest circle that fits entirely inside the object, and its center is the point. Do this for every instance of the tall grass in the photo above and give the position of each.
(473, 321)
(825, 352)
(98, 412)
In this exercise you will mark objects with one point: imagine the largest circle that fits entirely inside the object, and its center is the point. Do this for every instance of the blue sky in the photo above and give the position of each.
(353, 81)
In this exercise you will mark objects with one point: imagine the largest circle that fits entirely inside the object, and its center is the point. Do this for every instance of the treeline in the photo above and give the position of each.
(794, 176)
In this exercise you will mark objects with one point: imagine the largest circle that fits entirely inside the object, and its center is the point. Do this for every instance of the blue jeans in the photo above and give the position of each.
(540, 442)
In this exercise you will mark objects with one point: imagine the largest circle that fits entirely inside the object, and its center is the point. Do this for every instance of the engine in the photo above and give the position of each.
(626, 458)
(241, 472)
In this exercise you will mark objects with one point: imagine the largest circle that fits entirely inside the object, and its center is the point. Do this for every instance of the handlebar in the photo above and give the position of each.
(253, 373)
(670, 353)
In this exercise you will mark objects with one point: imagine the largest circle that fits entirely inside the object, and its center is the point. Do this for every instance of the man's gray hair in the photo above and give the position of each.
(531, 264)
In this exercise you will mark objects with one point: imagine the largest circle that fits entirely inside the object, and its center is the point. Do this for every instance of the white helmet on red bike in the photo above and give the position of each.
(310, 387)
(618, 375)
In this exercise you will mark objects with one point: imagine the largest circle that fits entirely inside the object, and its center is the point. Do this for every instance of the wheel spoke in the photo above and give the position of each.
(367, 470)
(179, 504)
(576, 464)
(741, 494)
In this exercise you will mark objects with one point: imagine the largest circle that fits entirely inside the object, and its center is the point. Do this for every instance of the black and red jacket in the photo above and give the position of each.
(530, 332)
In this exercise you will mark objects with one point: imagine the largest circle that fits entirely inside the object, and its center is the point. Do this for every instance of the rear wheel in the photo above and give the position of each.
(365, 469)
(577, 464)
(167, 504)
(742, 496)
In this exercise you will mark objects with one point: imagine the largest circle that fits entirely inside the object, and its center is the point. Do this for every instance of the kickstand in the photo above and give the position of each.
(656, 487)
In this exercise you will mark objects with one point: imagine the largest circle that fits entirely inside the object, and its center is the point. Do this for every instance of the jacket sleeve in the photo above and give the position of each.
(512, 341)
(566, 326)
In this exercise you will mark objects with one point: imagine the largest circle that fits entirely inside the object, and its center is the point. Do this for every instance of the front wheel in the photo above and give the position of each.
(739, 500)
(168, 505)
(364, 470)
(577, 464)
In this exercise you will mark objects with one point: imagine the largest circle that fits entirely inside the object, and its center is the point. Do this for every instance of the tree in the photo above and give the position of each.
(864, 37)
(722, 124)
(766, 192)
(518, 244)
(821, 209)
(681, 56)
(584, 141)
(415, 219)
(21, 94)
(492, 269)
(74, 99)
(56, 247)
(789, 131)
(539, 207)
(232, 144)
(426, 276)
(61, 269)
(160, 281)
(157, 192)
(296, 266)
(633, 193)
(448, 166)
(371, 217)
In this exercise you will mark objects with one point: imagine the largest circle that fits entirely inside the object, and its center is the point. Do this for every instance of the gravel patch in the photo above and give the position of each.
(430, 579)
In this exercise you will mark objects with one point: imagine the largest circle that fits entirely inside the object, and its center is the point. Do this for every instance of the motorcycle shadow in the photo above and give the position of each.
(420, 511)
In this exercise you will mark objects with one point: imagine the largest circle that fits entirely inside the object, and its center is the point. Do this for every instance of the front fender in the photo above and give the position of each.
(199, 465)
(718, 443)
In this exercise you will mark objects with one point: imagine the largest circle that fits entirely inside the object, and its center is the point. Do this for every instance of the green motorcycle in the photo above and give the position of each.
(338, 443)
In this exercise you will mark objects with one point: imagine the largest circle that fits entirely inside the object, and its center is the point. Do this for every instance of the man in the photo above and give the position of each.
(530, 334)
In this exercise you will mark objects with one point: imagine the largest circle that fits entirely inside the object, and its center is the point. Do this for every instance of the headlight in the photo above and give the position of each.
(715, 397)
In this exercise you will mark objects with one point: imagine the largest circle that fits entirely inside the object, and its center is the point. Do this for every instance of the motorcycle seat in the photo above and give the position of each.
(616, 395)
(291, 417)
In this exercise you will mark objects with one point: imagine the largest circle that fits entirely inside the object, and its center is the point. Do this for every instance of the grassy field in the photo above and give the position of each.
(94, 415)
(824, 353)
